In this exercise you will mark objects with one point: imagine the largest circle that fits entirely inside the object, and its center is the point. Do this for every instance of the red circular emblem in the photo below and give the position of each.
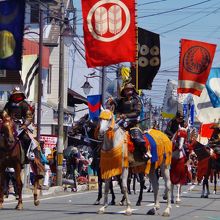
(196, 59)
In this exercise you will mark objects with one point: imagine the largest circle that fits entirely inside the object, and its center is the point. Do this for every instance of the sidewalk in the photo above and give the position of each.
(27, 193)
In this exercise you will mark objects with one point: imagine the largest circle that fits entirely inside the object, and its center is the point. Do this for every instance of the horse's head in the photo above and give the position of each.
(7, 130)
(107, 121)
(181, 136)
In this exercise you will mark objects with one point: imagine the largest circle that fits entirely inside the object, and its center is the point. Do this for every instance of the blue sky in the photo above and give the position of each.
(199, 22)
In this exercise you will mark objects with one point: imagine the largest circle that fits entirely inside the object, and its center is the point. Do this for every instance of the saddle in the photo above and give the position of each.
(201, 151)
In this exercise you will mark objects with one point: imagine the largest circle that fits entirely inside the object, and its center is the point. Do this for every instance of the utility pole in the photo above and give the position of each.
(40, 75)
(60, 142)
(103, 86)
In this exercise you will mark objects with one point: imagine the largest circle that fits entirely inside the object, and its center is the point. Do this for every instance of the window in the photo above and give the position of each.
(49, 78)
(2, 73)
(34, 13)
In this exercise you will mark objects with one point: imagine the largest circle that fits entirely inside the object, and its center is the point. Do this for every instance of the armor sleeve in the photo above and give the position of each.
(28, 117)
(168, 129)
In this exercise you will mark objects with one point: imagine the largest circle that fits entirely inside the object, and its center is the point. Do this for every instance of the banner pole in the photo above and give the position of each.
(136, 50)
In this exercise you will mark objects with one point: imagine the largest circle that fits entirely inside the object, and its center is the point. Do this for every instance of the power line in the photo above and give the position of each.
(147, 3)
(184, 25)
(177, 9)
(181, 19)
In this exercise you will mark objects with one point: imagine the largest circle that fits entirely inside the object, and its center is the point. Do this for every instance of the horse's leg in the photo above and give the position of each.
(178, 200)
(134, 182)
(155, 185)
(102, 209)
(19, 186)
(2, 181)
(207, 187)
(112, 192)
(166, 175)
(203, 188)
(125, 190)
(142, 181)
(172, 193)
(215, 181)
(129, 182)
(36, 185)
(97, 202)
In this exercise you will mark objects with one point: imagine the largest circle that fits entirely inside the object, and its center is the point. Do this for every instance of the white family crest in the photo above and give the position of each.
(108, 20)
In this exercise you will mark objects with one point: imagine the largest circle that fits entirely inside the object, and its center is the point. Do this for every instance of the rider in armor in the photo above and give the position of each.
(173, 124)
(20, 111)
(128, 107)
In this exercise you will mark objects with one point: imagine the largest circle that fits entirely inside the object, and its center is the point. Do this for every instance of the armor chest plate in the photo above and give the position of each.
(15, 110)
(128, 106)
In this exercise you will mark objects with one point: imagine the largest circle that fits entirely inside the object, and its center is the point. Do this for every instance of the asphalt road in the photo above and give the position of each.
(79, 206)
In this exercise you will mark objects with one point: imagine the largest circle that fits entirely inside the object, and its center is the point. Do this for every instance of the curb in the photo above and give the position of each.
(27, 193)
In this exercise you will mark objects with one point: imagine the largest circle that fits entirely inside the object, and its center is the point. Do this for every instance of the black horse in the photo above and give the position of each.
(86, 128)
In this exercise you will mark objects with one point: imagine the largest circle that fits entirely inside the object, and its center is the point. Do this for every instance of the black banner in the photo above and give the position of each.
(148, 59)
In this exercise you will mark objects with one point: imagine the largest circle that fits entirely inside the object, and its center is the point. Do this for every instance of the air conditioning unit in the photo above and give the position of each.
(2, 73)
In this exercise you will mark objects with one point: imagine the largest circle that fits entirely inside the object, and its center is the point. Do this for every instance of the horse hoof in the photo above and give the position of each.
(166, 214)
(37, 202)
(129, 192)
(19, 207)
(128, 212)
(121, 203)
(101, 211)
(1, 206)
(202, 196)
(97, 202)
(138, 203)
(112, 203)
(178, 201)
(206, 197)
(151, 212)
(172, 201)
(164, 197)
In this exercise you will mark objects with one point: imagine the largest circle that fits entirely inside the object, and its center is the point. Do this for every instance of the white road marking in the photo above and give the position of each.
(48, 198)
(151, 204)
(122, 212)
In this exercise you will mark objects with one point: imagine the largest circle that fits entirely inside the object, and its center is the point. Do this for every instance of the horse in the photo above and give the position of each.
(208, 162)
(178, 171)
(114, 160)
(87, 129)
(10, 156)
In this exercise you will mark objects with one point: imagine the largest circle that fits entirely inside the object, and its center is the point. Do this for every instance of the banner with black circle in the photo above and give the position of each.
(148, 59)
(11, 33)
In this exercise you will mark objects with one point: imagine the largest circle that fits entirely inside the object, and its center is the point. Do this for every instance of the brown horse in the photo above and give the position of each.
(10, 156)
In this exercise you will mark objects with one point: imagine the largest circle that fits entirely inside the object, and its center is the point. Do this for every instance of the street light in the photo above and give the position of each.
(86, 86)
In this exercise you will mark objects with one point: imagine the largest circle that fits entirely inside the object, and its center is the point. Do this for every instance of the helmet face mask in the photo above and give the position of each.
(17, 95)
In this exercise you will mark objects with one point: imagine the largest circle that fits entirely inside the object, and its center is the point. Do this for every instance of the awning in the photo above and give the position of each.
(75, 98)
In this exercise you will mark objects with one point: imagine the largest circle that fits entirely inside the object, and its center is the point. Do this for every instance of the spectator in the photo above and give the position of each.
(10, 178)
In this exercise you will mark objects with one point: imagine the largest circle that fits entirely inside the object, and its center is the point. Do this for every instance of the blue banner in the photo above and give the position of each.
(213, 87)
(94, 104)
(11, 33)
(192, 115)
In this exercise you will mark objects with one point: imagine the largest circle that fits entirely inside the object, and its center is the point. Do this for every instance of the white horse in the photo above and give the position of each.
(114, 160)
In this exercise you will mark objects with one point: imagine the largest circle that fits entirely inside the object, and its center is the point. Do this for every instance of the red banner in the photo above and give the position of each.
(109, 31)
(195, 63)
